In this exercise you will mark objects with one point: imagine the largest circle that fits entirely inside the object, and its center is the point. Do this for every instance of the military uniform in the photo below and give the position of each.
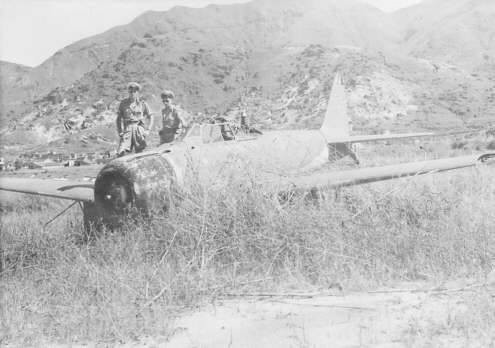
(172, 123)
(130, 125)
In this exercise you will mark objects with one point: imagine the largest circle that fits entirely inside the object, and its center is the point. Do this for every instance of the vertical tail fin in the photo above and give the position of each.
(336, 122)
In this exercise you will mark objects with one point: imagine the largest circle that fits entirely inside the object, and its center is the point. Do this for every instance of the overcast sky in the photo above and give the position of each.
(33, 30)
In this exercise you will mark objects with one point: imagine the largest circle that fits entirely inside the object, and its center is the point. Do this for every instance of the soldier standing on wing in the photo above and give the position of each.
(172, 122)
(130, 122)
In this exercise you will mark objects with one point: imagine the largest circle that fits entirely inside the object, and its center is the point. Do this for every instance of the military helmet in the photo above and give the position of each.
(134, 85)
(167, 94)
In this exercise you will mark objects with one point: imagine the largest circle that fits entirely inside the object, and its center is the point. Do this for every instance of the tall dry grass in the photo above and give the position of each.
(130, 283)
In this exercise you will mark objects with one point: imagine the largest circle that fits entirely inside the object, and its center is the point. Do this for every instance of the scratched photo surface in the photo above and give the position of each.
(264, 173)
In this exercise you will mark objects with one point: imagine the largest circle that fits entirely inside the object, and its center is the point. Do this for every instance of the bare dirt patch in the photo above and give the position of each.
(389, 318)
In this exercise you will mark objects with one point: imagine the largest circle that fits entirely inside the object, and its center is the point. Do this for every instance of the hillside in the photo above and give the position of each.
(277, 23)
(274, 58)
(457, 32)
(16, 86)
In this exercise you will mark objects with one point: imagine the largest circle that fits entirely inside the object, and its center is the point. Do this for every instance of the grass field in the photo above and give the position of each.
(130, 283)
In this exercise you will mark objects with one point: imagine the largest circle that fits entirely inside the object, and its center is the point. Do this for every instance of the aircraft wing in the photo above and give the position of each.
(73, 190)
(367, 175)
(376, 137)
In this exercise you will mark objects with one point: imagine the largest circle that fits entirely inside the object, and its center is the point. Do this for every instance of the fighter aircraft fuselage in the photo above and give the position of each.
(147, 181)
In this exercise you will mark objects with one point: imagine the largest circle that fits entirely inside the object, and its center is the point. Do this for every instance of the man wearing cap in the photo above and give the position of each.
(131, 122)
(172, 123)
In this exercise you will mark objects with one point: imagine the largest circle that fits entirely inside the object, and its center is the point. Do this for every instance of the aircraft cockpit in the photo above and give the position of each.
(207, 133)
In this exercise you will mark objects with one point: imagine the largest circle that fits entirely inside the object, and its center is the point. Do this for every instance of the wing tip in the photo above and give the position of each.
(486, 157)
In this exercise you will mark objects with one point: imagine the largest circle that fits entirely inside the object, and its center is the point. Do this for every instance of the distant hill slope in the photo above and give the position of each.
(460, 32)
(274, 58)
(16, 87)
(267, 23)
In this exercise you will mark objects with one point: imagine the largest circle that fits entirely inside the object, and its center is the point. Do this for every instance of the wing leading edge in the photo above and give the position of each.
(73, 190)
(373, 174)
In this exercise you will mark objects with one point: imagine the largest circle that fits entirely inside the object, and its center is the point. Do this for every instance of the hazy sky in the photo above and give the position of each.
(33, 30)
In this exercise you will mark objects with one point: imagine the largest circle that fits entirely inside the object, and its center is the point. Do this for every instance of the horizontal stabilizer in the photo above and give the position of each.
(336, 124)
(351, 177)
(77, 191)
(376, 137)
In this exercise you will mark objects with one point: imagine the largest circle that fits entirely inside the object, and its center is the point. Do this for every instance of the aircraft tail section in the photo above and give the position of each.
(336, 123)
(336, 126)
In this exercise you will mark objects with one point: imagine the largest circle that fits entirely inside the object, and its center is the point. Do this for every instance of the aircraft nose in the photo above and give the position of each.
(117, 195)
(136, 185)
(113, 197)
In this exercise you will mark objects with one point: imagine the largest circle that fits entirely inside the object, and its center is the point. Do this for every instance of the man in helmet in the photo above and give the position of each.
(131, 125)
(172, 122)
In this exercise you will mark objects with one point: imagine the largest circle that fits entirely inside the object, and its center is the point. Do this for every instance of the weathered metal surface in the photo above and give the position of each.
(273, 152)
(140, 182)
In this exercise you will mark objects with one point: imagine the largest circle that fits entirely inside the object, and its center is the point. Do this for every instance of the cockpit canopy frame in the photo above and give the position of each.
(207, 133)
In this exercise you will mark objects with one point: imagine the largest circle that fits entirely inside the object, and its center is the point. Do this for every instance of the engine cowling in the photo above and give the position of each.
(140, 184)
